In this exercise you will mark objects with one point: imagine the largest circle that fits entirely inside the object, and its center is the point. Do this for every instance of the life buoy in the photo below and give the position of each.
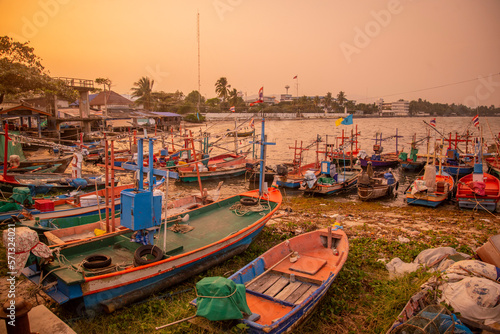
(144, 250)
(248, 201)
(95, 261)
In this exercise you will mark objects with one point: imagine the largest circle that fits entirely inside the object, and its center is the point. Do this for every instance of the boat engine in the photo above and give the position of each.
(282, 170)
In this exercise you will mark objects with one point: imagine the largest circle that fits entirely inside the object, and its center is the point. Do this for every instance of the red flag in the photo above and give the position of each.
(261, 94)
(295, 77)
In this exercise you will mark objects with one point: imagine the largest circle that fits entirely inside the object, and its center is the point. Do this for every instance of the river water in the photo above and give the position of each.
(284, 133)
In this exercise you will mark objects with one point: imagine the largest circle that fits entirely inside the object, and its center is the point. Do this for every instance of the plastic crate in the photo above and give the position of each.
(44, 205)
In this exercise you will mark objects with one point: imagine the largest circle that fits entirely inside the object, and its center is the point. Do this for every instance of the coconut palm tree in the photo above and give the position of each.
(221, 88)
(341, 98)
(328, 100)
(143, 90)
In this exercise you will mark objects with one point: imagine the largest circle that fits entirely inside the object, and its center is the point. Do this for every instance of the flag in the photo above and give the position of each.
(261, 94)
(295, 77)
(252, 125)
(233, 109)
(347, 120)
(433, 122)
(339, 121)
(475, 120)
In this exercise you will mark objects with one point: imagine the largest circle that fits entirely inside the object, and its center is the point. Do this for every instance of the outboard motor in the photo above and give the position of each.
(282, 170)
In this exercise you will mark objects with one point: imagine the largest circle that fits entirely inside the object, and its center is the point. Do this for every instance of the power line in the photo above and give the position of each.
(424, 89)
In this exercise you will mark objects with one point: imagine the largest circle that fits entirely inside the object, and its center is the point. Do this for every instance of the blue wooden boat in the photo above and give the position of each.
(286, 283)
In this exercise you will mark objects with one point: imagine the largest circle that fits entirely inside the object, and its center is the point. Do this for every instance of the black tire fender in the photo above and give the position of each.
(144, 250)
(248, 201)
(95, 261)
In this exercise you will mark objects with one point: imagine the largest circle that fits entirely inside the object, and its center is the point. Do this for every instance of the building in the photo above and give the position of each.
(398, 108)
(401, 107)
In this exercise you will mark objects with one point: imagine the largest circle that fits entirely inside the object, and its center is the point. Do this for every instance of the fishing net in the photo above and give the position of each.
(434, 319)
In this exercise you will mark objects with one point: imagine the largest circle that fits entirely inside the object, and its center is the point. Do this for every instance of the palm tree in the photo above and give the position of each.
(221, 88)
(143, 90)
(341, 98)
(328, 100)
(233, 97)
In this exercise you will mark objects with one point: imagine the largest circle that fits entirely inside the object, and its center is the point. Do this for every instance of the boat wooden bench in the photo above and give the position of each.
(280, 289)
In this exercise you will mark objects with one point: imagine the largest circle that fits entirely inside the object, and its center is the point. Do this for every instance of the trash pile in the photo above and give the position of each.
(469, 286)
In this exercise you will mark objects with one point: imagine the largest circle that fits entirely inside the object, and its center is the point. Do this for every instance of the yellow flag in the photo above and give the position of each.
(337, 122)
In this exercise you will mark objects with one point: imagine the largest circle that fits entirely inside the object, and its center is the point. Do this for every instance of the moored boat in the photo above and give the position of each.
(286, 283)
(431, 189)
(478, 191)
(330, 181)
(372, 185)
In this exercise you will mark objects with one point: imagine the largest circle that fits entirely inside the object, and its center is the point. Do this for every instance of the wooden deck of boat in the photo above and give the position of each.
(209, 227)
(287, 291)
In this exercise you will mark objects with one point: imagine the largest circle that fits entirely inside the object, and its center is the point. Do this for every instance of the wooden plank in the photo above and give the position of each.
(263, 283)
(277, 287)
(298, 293)
(306, 294)
(308, 265)
(288, 290)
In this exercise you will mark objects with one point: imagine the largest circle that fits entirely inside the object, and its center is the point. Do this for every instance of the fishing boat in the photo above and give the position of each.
(379, 159)
(330, 181)
(493, 164)
(48, 182)
(115, 271)
(240, 134)
(478, 190)
(291, 175)
(211, 235)
(412, 162)
(456, 165)
(372, 185)
(431, 189)
(285, 284)
(91, 203)
(190, 174)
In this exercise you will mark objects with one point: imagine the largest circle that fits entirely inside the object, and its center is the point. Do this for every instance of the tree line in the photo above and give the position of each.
(22, 75)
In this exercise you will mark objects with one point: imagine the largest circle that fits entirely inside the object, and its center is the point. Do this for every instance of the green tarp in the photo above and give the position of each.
(13, 149)
(22, 194)
(220, 298)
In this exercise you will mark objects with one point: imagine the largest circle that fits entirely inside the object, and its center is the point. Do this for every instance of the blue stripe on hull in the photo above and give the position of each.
(480, 204)
(422, 202)
(288, 184)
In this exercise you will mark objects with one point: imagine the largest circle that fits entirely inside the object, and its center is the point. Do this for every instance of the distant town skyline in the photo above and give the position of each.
(442, 51)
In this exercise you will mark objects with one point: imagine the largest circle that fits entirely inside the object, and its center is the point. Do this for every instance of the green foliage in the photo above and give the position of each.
(22, 74)
(192, 118)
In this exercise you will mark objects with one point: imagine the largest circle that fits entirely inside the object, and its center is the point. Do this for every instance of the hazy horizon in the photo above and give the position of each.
(442, 51)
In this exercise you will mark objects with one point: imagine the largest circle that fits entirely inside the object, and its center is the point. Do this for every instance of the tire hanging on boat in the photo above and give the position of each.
(145, 250)
(96, 261)
(247, 201)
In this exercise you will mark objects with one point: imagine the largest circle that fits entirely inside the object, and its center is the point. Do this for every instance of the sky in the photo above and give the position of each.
(445, 51)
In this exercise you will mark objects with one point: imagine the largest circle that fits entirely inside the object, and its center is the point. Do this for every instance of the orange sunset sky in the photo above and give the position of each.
(444, 51)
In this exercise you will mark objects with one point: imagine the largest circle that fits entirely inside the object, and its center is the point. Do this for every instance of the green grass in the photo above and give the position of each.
(362, 299)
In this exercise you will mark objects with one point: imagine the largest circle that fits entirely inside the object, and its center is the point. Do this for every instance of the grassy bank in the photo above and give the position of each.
(362, 299)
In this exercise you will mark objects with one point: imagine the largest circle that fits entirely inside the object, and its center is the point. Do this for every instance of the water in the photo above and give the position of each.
(285, 133)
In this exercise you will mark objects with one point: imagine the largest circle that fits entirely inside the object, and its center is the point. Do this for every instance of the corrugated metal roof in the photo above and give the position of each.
(166, 114)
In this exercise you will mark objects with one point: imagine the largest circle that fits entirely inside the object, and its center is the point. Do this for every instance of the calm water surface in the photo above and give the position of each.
(284, 133)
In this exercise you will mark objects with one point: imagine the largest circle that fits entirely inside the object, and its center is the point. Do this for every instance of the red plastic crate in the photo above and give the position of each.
(44, 205)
